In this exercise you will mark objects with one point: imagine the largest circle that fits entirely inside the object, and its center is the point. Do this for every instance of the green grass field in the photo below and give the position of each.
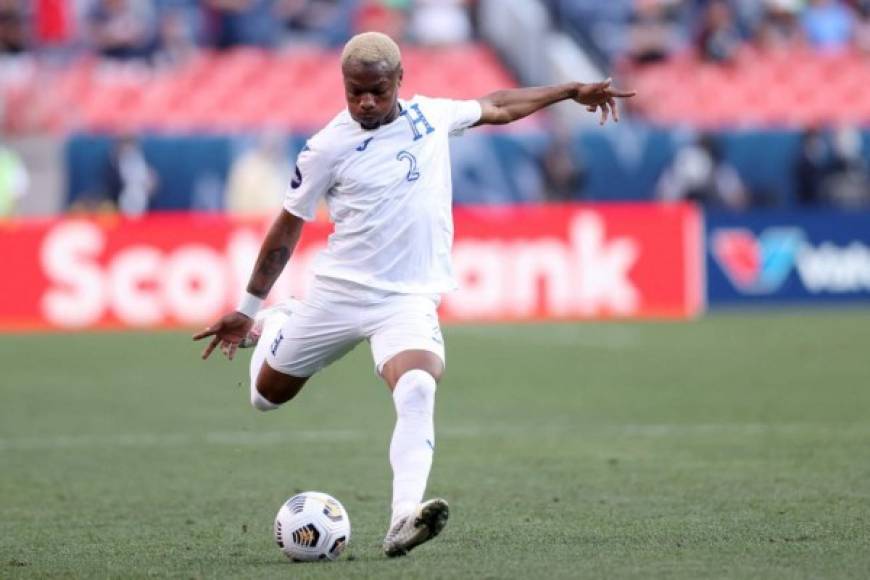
(733, 447)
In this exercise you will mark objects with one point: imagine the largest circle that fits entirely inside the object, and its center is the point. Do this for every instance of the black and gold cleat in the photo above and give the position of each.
(421, 526)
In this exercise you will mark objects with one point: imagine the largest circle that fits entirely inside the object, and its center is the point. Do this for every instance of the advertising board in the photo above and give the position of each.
(512, 264)
(804, 257)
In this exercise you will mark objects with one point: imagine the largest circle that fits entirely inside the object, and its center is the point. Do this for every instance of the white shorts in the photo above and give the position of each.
(338, 315)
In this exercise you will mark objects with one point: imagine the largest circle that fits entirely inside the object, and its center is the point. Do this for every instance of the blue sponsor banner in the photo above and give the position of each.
(788, 257)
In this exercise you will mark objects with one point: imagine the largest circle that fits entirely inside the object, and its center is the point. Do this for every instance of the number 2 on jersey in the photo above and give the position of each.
(413, 174)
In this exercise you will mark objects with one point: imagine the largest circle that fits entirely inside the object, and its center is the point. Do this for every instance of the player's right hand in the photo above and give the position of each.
(227, 333)
(602, 96)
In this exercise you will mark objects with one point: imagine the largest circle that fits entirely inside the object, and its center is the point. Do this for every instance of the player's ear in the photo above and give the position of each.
(400, 74)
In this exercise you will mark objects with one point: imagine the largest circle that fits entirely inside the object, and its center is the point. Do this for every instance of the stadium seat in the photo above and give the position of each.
(774, 88)
(237, 90)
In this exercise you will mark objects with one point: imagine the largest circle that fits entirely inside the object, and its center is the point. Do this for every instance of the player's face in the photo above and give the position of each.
(372, 93)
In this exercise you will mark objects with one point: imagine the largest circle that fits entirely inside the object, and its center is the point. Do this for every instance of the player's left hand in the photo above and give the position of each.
(602, 96)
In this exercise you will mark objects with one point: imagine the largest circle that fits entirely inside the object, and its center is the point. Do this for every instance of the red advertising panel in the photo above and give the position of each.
(513, 263)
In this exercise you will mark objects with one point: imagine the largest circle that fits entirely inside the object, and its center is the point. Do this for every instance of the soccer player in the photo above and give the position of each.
(383, 167)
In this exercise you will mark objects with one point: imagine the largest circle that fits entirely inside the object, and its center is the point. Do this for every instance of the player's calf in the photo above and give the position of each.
(413, 441)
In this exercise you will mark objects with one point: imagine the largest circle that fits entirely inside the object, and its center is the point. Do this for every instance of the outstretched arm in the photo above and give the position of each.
(509, 105)
(277, 247)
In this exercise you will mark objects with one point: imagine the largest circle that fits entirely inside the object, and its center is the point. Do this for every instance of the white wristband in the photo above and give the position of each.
(249, 305)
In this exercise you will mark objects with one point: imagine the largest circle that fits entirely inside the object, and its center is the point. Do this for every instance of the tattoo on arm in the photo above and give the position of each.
(274, 261)
(274, 253)
(267, 270)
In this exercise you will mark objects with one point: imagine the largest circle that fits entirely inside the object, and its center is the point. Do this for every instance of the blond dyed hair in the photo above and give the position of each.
(371, 48)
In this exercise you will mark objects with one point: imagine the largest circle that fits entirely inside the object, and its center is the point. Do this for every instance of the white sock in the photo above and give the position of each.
(271, 326)
(413, 442)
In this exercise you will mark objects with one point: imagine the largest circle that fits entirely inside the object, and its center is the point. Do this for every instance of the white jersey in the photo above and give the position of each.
(389, 194)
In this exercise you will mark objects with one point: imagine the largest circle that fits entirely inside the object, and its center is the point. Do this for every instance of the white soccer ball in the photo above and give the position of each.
(312, 526)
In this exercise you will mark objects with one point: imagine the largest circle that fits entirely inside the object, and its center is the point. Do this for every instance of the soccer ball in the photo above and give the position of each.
(312, 526)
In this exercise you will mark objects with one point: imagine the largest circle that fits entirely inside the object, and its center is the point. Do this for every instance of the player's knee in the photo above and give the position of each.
(414, 360)
(261, 403)
(266, 395)
(273, 389)
(415, 392)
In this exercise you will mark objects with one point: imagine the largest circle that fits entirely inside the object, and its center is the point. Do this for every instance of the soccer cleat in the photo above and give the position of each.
(410, 531)
(253, 336)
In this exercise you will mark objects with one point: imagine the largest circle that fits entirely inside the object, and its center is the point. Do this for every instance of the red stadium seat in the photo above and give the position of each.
(760, 89)
(238, 90)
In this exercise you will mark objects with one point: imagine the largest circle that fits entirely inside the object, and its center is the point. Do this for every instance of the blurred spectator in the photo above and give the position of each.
(862, 27)
(241, 23)
(812, 167)
(259, 178)
(439, 22)
(314, 21)
(833, 172)
(653, 30)
(718, 39)
(387, 16)
(747, 14)
(700, 174)
(848, 185)
(176, 41)
(54, 22)
(563, 168)
(130, 180)
(828, 24)
(779, 27)
(13, 29)
(14, 181)
(123, 28)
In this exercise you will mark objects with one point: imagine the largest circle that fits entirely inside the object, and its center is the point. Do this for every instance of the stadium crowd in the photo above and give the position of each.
(829, 167)
(126, 29)
(647, 31)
